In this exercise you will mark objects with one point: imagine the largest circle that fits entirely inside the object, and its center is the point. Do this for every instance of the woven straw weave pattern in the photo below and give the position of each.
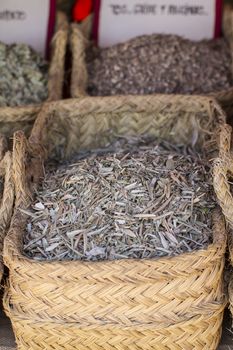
(196, 333)
(64, 127)
(7, 200)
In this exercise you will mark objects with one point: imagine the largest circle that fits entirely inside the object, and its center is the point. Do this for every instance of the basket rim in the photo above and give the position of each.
(15, 315)
(13, 243)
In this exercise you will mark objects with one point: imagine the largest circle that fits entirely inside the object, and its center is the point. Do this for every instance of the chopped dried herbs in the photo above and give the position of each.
(141, 201)
(23, 76)
(160, 64)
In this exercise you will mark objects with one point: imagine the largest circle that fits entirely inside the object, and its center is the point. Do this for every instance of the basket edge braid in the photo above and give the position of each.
(7, 200)
(198, 333)
(20, 266)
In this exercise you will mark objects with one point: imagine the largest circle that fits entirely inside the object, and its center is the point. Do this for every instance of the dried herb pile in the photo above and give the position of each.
(156, 200)
(23, 76)
(160, 63)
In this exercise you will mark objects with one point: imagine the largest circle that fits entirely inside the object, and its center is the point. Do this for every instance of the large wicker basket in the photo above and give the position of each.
(225, 97)
(168, 303)
(18, 118)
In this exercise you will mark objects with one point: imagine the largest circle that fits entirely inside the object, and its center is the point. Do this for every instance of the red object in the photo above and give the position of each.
(219, 9)
(82, 9)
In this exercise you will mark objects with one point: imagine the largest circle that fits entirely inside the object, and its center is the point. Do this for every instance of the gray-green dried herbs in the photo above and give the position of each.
(160, 64)
(154, 200)
(23, 76)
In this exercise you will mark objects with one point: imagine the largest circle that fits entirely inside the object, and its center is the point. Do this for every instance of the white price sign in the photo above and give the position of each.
(27, 21)
(120, 20)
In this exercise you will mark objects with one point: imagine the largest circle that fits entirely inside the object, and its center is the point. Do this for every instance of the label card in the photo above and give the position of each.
(120, 20)
(28, 21)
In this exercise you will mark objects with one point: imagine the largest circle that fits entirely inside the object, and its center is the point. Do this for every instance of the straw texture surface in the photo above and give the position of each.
(168, 303)
(7, 197)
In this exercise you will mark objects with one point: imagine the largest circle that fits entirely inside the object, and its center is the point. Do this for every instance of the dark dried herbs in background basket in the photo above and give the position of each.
(23, 76)
(160, 64)
(142, 200)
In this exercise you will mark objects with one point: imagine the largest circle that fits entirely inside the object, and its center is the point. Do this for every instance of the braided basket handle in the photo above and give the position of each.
(7, 200)
(223, 166)
(78, 43)
(27, 170)
(57, 65)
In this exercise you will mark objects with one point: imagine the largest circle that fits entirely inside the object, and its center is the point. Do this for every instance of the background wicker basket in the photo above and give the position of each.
(18, 118)
(79, 71)
(169, 303)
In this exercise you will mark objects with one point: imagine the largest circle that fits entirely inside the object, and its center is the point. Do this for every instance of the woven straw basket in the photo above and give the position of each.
(7, 195)
(223, 171)
(225, 97)
(168, 303)
(18, 118)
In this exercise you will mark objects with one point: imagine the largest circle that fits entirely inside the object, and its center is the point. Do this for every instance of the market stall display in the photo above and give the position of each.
(117, 240)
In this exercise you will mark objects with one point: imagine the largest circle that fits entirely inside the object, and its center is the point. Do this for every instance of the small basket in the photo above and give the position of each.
(168, 303)
(23, 117)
